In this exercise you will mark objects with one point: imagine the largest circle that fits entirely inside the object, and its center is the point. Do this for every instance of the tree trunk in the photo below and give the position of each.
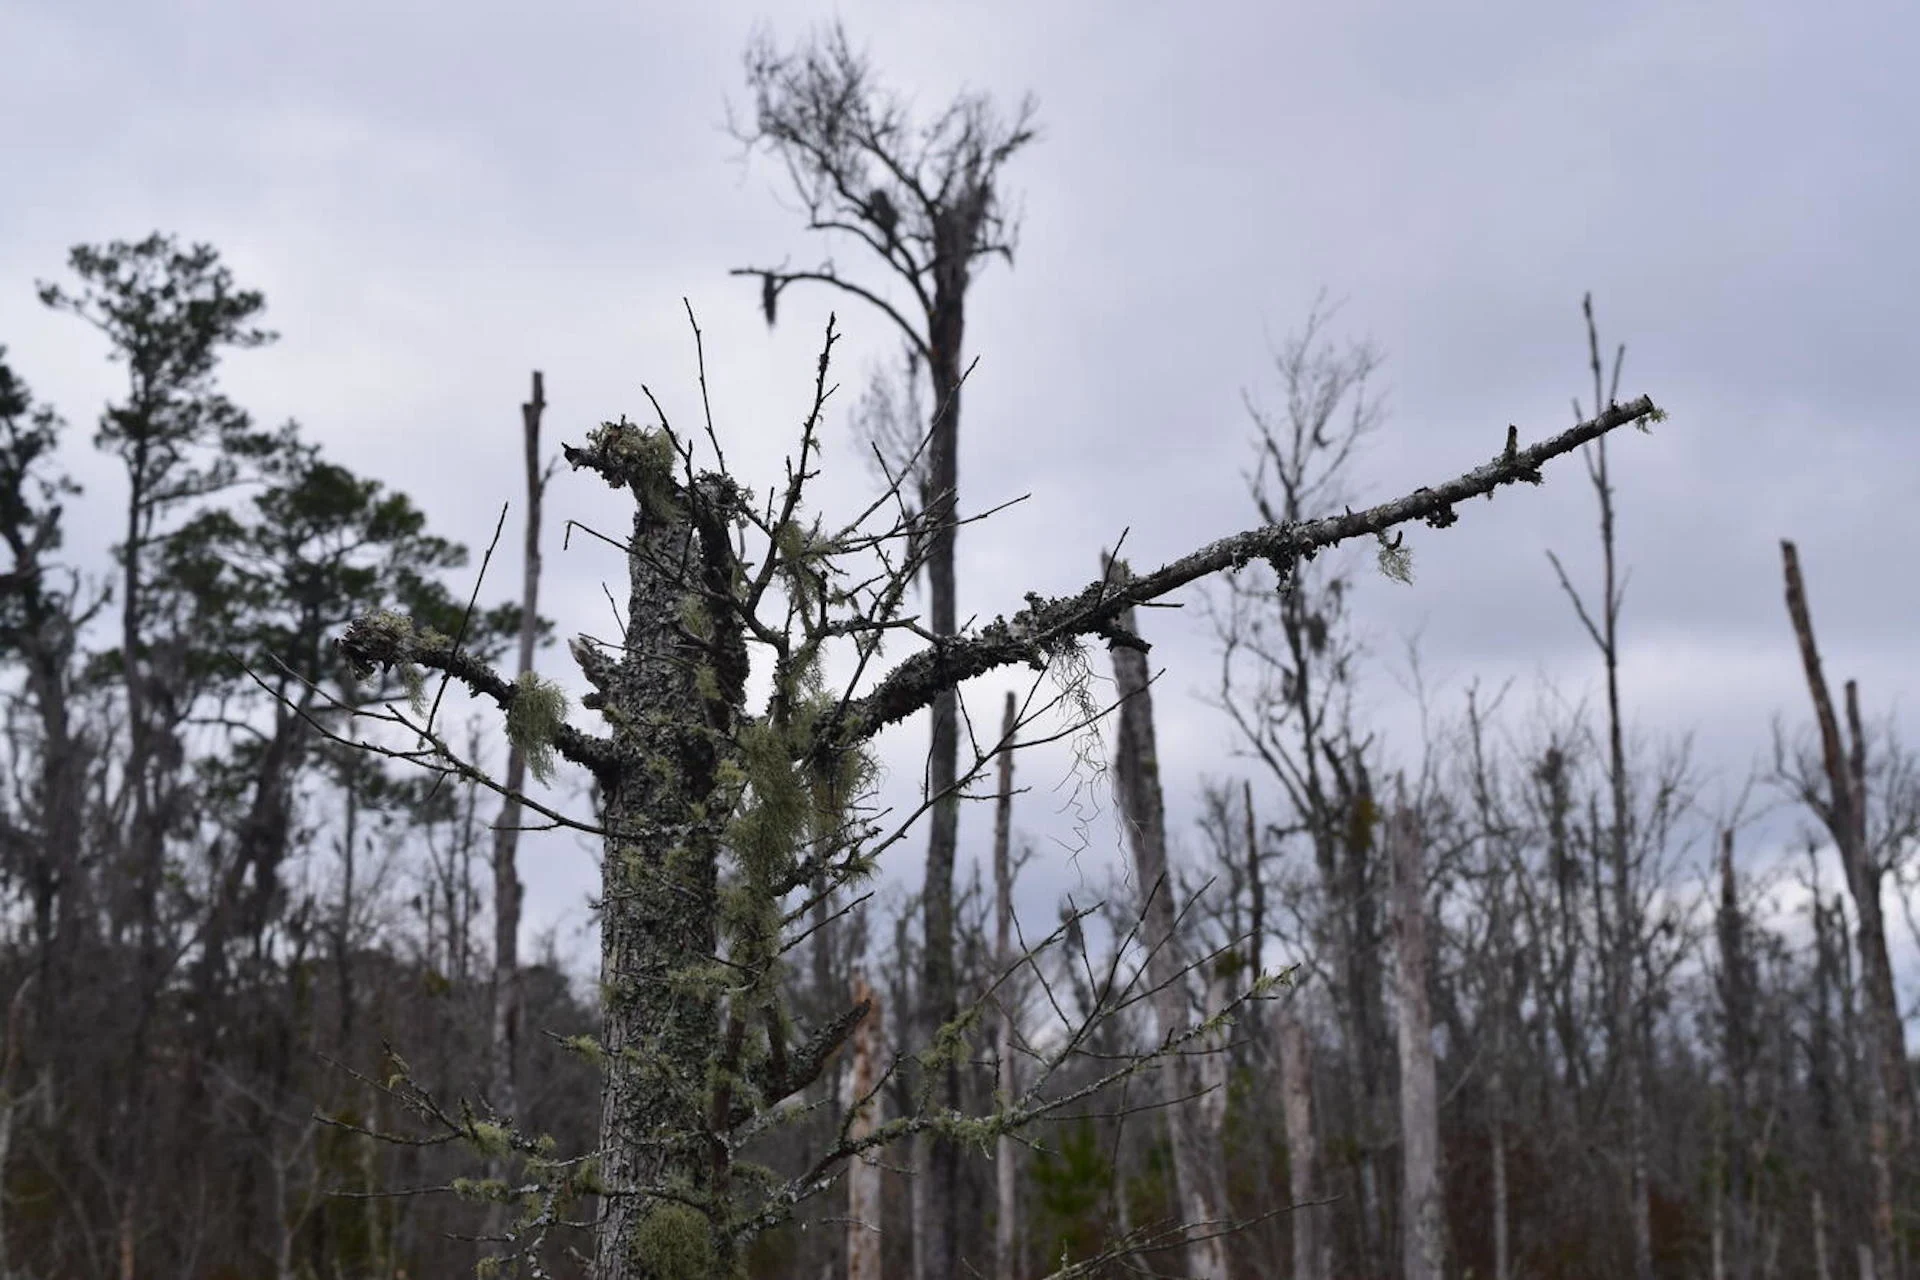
(1736, 1208)
(1844, 813)
(1006, 1222)
(1312, 1240)
(507, 889)
(863, 1175)
(1422, 1219)
(666, 812)
(1820, 1268)
(936, 1182)
(1136, 767)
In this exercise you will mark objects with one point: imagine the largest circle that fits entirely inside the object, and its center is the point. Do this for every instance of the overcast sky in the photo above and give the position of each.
(438, 198)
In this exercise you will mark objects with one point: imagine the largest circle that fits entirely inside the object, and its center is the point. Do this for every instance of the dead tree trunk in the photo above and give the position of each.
(673, 697)
(1737, 1208)
(1006, 1222)
(1422, 1219)
(934, 213)
(863, 1174)
(507, 888)
(1136, 766)
(1312, 1236)
(1843, 810)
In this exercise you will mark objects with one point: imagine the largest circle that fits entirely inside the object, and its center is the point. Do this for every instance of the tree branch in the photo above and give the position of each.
(1095, 610)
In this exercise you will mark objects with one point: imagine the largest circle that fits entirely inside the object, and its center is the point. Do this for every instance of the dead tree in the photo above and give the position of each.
(1198, 1184)
(863, 1175)
(1841, 805)
(1422, 1215)
(506, 835)
(1287, 667)
(1736, 1236)
(1006, 1170)
(926, 201)
(1624, 955)
(713, 816)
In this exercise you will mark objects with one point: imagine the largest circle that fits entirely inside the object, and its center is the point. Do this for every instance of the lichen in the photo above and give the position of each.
(673, 1242)
(1396, 560)
(587, 1048)
(538, 710)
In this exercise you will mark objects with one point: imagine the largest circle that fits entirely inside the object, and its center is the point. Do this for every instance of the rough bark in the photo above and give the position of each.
(1422, 1220)
(1096, 608)
(1198, 1190)
(1843, 810)
(666, 813)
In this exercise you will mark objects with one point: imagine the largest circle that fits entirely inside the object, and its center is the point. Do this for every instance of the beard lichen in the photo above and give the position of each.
(538, 710)
(646, 459)
(673, 1241)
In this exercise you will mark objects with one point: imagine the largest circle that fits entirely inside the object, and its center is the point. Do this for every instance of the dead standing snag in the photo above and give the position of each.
(711, 811)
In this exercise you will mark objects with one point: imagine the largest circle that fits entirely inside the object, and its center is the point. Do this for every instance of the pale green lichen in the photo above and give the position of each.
(588, 1048)
(1396, 561)
(648, 460)
(482, 1189)
(487, 1138)
(673, 1242)
(416, 686)
(538, 710)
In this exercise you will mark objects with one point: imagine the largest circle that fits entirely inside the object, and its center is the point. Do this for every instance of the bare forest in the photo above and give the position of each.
(1518, 999)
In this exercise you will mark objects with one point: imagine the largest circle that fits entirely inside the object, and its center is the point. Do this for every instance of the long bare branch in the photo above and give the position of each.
(1095, 610)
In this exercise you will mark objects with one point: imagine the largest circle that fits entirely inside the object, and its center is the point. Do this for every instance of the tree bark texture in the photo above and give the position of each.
(666, 813)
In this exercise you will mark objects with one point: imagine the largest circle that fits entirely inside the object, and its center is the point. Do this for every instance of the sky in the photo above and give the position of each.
(437, 199)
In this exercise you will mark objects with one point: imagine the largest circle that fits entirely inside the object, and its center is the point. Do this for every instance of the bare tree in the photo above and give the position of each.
(1423, 1222)
(1198, 1184)
(1312, 1235)
(1627, 883)
(1838, 794)
(1288, 662)
(1006, 1222)
(863, 1175)
(926, 201)
(507, 888)
(1735, 1237)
